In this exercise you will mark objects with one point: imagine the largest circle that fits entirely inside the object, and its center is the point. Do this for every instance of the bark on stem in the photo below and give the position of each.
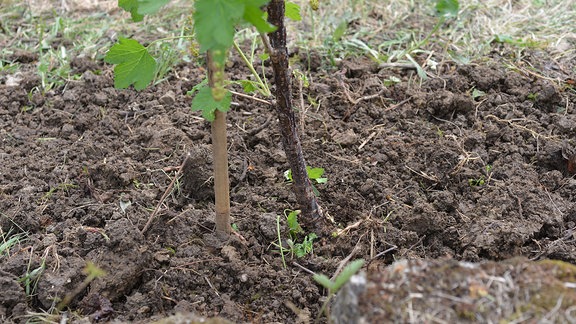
(287, 120)
(220, 154)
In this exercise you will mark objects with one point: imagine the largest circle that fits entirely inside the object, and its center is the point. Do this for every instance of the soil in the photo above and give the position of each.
(417, 170)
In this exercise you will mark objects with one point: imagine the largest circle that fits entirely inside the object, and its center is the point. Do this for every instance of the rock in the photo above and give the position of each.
(168, 99)
(347, 138)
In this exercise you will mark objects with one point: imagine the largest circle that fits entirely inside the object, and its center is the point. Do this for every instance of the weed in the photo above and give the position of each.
(8, 241)
(61, 187)
(483, 179)
(92, 272)
(334, 285)
(32, 276)
(295, 248)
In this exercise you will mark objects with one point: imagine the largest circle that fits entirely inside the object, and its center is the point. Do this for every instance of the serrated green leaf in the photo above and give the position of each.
(347, 273)
(131, 6)
(248, 86)
(197, 87)
(134, 64)
(292, 220)
(255, 16)
(292, 11)
(214, 22)
(448, 8)
(205, 102)
(323, 281)
(299, 250)
(146, 7)
(139, 8)
(314, 173)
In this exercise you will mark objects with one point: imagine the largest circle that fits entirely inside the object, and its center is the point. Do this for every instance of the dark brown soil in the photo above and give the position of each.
(427, 169)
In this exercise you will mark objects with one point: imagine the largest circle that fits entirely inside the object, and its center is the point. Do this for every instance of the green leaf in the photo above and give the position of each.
(299, 250)
(419, 70)
(248, 86)
(147, 7)
(131, 6)
(197, 87)
(448, 8)
(292, 220)
(134, 64)
(477, 93)
(288, 175)
(292, 11)
(339, 31)
(346, 274)
(255, 16)
(205, 102)
(324, 281)
(139, 8)
(214, 22)
(307, 246)
(314, 173)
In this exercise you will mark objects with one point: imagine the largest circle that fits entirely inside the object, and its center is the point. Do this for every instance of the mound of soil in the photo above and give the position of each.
(474, 164)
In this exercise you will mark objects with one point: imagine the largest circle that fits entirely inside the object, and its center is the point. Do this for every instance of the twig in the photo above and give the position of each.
(251, 97)
(211, 286)
(245, 164)
(432, 178)
(394, 106)
(367, 140)
(260, 128)
(410, 66)
(266, 42)
(347, 259)
(163, 198)
(356, 101)
(303, 268)
(384, 252)
(414, 245)
(511, 123)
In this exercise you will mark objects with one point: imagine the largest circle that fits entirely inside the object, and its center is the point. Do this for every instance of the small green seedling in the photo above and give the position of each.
(334, 285)
(477, 182)
(92, 271)
(61, 187)
(8, 241)
(482, 180)
(32, 277)
(477, 93)
(294, 248)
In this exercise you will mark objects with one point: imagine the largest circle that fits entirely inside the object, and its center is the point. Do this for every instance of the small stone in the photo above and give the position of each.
(278, 155)
(162, 256)
(347, 138)
(243, 277)
(100, 99)
(168, 99)
(69, 96)
(67, 129)
(143, 310)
